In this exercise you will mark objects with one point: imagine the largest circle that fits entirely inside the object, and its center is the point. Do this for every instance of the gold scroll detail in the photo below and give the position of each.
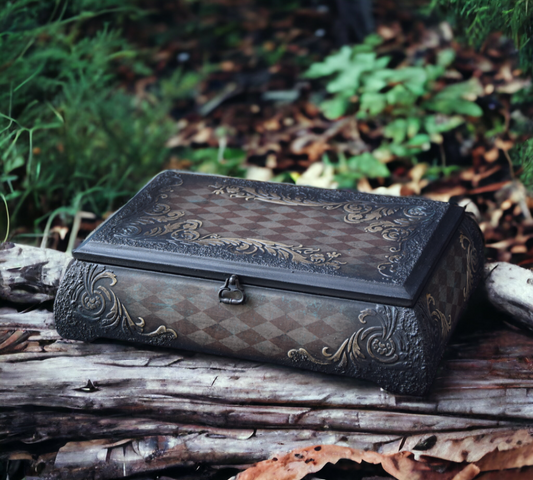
(438, 316)
(160, 213)
(397, 230)
(171, 223)
(94, 301)
(375, 342)
(472, 260)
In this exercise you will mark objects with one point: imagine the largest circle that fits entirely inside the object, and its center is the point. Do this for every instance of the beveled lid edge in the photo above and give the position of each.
(405, 294)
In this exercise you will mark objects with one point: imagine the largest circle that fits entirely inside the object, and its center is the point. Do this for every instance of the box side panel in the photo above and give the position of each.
(380, 343)
(446, 295)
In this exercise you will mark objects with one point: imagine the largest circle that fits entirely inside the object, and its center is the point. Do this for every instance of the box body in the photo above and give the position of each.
(365, 286)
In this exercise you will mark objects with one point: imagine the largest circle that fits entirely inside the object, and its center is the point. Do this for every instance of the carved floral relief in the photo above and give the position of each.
(377, 342)
(97, 301)
(171, 223)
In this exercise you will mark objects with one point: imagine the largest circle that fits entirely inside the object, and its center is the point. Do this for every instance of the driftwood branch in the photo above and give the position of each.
(510, 289)
(479, 371)
(116, 409)
(30, 275)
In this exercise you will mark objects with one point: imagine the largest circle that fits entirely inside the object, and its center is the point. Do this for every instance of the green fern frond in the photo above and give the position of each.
(522, 156)
(478, 18)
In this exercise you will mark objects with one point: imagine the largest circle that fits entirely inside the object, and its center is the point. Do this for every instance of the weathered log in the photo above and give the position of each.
(487, 373)
(490, 449)
(30, 275)
(237, 447)
(170, 408)
(43, 424)
(103, 459)
(52, 389)
(510, 289)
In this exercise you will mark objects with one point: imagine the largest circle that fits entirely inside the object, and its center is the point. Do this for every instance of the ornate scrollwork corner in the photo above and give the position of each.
(377, 342)
(438, 316)
(93, 301)
(160, 215)
(365, 313)
(472, 260)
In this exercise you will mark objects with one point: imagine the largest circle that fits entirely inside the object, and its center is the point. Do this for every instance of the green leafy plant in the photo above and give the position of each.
(514, 18)
(409, 101)
(359, 71)
(218, 161)
(70, 137)
(349, 170)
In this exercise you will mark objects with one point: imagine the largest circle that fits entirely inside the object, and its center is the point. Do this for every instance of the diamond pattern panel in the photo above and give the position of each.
(269, 324)
(448, 282)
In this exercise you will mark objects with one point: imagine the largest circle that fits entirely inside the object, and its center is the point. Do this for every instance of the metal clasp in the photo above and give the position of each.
(232, 292)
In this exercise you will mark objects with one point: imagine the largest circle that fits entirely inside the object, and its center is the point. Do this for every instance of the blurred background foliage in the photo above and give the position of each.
(92, 97)
(477, 19)
(70, 137)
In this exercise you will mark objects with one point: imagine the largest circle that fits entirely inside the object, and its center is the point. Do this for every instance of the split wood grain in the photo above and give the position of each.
(107, 459)
(30, 275)
(118, 406)
(475, 389)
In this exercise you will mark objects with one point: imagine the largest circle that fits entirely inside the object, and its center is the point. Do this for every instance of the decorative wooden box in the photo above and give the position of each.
(338, 282)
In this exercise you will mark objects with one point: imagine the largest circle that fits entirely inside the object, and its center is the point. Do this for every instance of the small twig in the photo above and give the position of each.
(76, 227)
(511, 168)
(231, 90)
(442, 154)
(222, 143)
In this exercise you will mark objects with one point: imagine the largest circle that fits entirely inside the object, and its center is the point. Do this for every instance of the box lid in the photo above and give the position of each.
(345, 244)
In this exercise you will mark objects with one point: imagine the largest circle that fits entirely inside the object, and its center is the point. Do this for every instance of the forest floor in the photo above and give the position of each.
(254, 109)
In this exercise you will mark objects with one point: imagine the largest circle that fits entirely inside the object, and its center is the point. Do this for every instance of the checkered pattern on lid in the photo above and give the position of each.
(303, 238)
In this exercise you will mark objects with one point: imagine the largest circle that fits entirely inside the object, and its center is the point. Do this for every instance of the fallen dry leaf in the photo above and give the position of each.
(446, 456)
(513, 474)
(504, 458)
(468, 473)
(303, 461)
(492, 155)
(464, 446)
